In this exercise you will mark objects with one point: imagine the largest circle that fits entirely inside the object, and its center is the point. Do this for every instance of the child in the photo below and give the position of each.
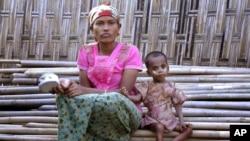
(159, 96)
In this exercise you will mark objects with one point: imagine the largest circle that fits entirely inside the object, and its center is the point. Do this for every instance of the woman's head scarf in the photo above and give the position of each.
(103, 10)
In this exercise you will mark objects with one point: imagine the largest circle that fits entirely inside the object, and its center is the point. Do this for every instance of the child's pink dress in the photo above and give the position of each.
(160, 99)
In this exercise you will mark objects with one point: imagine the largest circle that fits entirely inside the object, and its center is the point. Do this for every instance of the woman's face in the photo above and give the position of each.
(106, 29)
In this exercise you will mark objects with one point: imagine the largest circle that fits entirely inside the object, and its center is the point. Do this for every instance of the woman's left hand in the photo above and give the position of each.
(74, 90)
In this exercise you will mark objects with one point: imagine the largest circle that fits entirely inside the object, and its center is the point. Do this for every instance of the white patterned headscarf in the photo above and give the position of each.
(103, 10)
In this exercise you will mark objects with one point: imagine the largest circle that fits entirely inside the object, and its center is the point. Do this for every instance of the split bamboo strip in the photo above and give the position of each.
(40, 125)
(44, 63)
(5, 81)
(19, 90)
(196, 133)
(219, 97)
(213, 86)
(12, 70)
(33, 81)
(36, 72)
(24, 81)
(218, 104)
(10, 61)
(19, 75)
(11, 137)
(235, 91)
(10, 126)
(218, 119)
(24, 130)
(47, 107)
(214, 125)
(171, 138)
(26, 102)
(26, 119)
(27, 96)
(199, 112)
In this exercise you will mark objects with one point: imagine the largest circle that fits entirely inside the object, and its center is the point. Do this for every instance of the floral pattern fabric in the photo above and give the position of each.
(160, 99)
(85, 117)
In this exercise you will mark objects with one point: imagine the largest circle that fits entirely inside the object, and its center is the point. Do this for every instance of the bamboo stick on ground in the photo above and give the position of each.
(171, 138)
(27, 96)
(36, 72)
(11, 137)
(218, 119)
(24, 130)
(19, 90)
(196, 134)
(12, 70)
(45, 63)
(40, 125)
(26, 119)
(214, 125)
(212, 86)
(219, 97)
(47, 107)
(27, 102)
(234, 91)
(237, 105)
(199, 112)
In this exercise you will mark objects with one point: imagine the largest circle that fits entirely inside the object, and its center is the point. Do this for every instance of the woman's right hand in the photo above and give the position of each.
(64, 84)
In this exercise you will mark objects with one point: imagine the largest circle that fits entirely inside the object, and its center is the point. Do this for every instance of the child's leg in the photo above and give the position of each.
(158, 129)
(184, 134)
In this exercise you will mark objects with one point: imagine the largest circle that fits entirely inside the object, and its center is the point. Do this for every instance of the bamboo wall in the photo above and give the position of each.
(190, 32)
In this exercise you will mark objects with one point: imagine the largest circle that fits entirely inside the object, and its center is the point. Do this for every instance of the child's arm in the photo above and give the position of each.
(135, 98)
(178, 109)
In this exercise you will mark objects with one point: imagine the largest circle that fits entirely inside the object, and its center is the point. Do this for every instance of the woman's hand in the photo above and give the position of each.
(64, 84)
(74, 90)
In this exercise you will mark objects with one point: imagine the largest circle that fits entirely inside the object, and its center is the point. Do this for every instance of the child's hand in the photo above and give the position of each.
(183, 126)
(124, 91)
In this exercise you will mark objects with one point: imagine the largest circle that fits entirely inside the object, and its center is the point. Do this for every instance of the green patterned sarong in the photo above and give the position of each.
(96, 117)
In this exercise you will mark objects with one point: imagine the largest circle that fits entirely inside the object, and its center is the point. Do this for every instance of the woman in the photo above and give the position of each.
(95, 109)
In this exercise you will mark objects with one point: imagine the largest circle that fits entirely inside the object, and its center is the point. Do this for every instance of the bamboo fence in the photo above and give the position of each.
(190, 32)
(217, 98)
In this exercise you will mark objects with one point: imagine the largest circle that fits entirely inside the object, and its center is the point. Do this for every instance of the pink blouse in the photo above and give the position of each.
(105, 72)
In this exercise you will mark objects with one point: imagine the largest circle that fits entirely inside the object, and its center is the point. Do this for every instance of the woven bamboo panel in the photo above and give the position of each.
(190, 32)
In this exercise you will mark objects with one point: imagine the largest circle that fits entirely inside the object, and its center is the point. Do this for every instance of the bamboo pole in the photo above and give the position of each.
(199, 112)
(40, 125)
(11, 137)
(27, 96)
(24, 130)
(196, 134)
(237, 105)
(219, 97)
(26, 119)
(212, 86)
(214, 125)
(10, 114)
(171, 138)
(15, 90)
(27, 102)
(12, 70)
(45, 63)
(218, 91)
(36, 72)
(24, 81)
(47, 107)
(33, 81)
(218, 119)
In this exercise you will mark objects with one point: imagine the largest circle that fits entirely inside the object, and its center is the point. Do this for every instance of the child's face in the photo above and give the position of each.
(158, 69)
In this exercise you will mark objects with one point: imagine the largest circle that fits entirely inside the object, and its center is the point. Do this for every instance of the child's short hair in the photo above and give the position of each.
(154, 54)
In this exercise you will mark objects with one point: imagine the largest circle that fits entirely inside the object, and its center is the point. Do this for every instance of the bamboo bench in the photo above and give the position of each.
(217, 98)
